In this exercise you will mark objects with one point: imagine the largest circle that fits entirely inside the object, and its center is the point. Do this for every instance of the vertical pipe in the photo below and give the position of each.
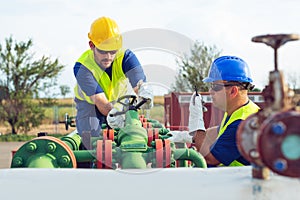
(275, 59)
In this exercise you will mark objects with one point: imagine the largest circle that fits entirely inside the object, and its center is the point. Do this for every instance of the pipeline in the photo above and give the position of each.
(191, 155)
(139, 144)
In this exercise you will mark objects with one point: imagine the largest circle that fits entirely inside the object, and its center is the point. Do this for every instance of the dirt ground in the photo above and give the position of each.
(6, 149)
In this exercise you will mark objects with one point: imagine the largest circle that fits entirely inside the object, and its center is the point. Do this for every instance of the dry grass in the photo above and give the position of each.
(49, 128)
(69, 101)
(159, 100)
(67, 106)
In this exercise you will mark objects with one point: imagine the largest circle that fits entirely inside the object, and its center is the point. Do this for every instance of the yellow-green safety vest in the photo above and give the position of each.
(241, 113)
(114, 88)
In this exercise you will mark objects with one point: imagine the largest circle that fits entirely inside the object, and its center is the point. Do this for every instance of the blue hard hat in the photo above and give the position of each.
(228, 68)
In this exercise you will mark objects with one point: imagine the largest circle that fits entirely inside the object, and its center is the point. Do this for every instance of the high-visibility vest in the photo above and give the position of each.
(114, 87)
(241, 113)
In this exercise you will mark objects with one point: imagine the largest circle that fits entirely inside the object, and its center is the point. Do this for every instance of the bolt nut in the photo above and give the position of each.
(18, 161)
(31, 147)
(51, 147)
(254, 154)
(253, 123)
(278, 128)
(280, 164)
(64, 161)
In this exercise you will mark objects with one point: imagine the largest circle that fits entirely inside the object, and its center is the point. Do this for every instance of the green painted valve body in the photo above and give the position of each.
(133, 141)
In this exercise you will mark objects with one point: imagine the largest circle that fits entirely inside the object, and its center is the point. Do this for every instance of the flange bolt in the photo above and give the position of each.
(51, 147)
(278, 128)
(280, 164)
(18, 161)
(64, 161)
(31, 147)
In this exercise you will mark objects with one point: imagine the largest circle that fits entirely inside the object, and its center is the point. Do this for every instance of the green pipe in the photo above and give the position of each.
(155, 123)
(192, 155)
(94, 141)
(85, 155)
(72, 140)
(133, 160)
(181, 163)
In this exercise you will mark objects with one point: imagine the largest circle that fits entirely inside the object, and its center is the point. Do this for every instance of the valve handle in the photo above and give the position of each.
(129, 105)
(275, 41)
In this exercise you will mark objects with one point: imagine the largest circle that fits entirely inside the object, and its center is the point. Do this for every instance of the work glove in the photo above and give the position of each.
(180, 136)
(196, 121)
(115, 121)
(145, 92)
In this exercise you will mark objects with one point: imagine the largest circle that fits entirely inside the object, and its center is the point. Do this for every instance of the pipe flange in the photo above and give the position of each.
(279, 141)
(247, 139)
(45, 151)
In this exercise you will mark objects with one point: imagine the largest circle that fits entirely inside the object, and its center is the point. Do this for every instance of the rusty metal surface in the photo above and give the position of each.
(275, 40)
(275, 139)
(278, 144)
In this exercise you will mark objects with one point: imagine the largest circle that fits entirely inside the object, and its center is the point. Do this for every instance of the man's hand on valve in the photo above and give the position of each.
(115, 120)
(145, 92)
(196, 121)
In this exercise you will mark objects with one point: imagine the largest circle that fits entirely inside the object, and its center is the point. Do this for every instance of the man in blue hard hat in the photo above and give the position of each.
(230, 79)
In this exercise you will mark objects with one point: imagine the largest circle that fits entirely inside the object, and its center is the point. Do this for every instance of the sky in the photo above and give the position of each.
(158, 31)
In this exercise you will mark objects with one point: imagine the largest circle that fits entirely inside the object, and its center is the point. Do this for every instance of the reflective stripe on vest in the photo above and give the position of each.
(241, 113)
(114, 88)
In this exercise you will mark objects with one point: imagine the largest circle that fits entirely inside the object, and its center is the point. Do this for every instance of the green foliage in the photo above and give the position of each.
(61, 111)
(21, 79)
(16, 138)
(30, 115)
(23, 137)
(194, 67)
(64, 90)
(256, 90)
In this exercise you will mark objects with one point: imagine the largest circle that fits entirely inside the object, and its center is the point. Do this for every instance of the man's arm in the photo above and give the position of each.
(203, 141)
(133, 69)
(90, 86)
(101, 102)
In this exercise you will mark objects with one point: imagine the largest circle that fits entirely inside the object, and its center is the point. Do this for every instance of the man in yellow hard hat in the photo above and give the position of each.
(103, 74)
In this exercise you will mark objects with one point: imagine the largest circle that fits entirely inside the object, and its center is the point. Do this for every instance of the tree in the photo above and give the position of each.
(64, 90)
(193, 68)
(21, 78)
(293, 80)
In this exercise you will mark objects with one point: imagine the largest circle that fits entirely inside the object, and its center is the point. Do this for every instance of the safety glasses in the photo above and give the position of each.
(106, 52)
(217, 86)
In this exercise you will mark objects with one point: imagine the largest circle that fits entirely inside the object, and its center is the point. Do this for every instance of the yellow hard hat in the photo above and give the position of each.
(105, 34)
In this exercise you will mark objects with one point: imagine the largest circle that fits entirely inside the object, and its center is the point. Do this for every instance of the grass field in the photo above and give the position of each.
(55, 116)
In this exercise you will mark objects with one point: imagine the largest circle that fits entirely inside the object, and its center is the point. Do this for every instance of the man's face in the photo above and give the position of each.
(218, 91)
(104, 58)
